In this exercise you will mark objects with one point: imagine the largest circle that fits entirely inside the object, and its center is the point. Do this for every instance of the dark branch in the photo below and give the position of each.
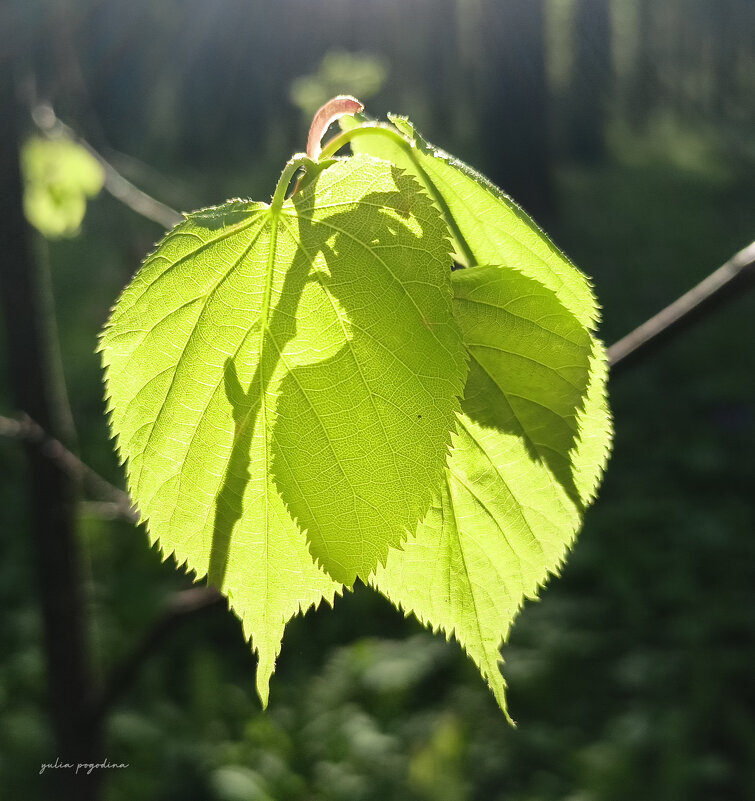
(726, 283)
(178, 608)
(28, 431)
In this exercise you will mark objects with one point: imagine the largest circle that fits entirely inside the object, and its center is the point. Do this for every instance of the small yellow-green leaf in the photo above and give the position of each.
(59, 176)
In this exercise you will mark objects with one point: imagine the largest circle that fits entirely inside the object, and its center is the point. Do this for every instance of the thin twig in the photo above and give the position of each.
(721, 286)
(114, 503)
(178, 607)
(119, 187)
(25, 429)
(326, 115)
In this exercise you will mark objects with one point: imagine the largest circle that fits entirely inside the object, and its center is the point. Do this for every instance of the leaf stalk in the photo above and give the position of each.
(296, 162)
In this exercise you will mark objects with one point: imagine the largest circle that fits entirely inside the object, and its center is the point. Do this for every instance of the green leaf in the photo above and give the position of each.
(59, 176)
(534, 436)
(529, 450)
(284, 383)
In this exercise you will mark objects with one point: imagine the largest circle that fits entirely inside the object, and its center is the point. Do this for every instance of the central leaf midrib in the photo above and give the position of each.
(518, 505)
(524, 429)
(498, 308)
(264, 330)
(491, 516)
(470, 583)
(525, 357)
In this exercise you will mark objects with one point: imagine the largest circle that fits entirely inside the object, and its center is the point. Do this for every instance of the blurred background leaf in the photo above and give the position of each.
(339, 72)
(59, 177)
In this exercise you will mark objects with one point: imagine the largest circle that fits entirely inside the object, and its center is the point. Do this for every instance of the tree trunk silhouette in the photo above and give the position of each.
(36, 392)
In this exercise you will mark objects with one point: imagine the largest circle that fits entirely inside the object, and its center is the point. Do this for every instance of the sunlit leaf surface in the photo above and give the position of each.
(283, 385)
(534, 435)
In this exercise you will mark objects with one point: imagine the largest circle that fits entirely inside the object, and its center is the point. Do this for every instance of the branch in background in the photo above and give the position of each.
(28, 431)
(115, 504)
(179, 606)
(726, 283)
(119, 187)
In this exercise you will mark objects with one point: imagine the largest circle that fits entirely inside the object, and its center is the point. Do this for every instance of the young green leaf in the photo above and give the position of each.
(529, 449)
(535, 432)
(284, 381)
(281, 371)
(491, 229)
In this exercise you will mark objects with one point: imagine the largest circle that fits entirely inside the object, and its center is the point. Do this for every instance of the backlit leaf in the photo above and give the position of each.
(283, 385)
(535, 430)
(525, 462)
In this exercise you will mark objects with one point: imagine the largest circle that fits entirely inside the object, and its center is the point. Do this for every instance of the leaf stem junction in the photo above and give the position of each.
(296, 162)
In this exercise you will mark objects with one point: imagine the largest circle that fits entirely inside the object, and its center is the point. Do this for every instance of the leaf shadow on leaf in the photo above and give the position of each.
(229, 503)
(313, 400)
(359, 387)
(246, 407)
(530, 377)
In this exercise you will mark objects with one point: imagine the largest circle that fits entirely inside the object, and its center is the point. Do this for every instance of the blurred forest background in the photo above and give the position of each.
(627, 127)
